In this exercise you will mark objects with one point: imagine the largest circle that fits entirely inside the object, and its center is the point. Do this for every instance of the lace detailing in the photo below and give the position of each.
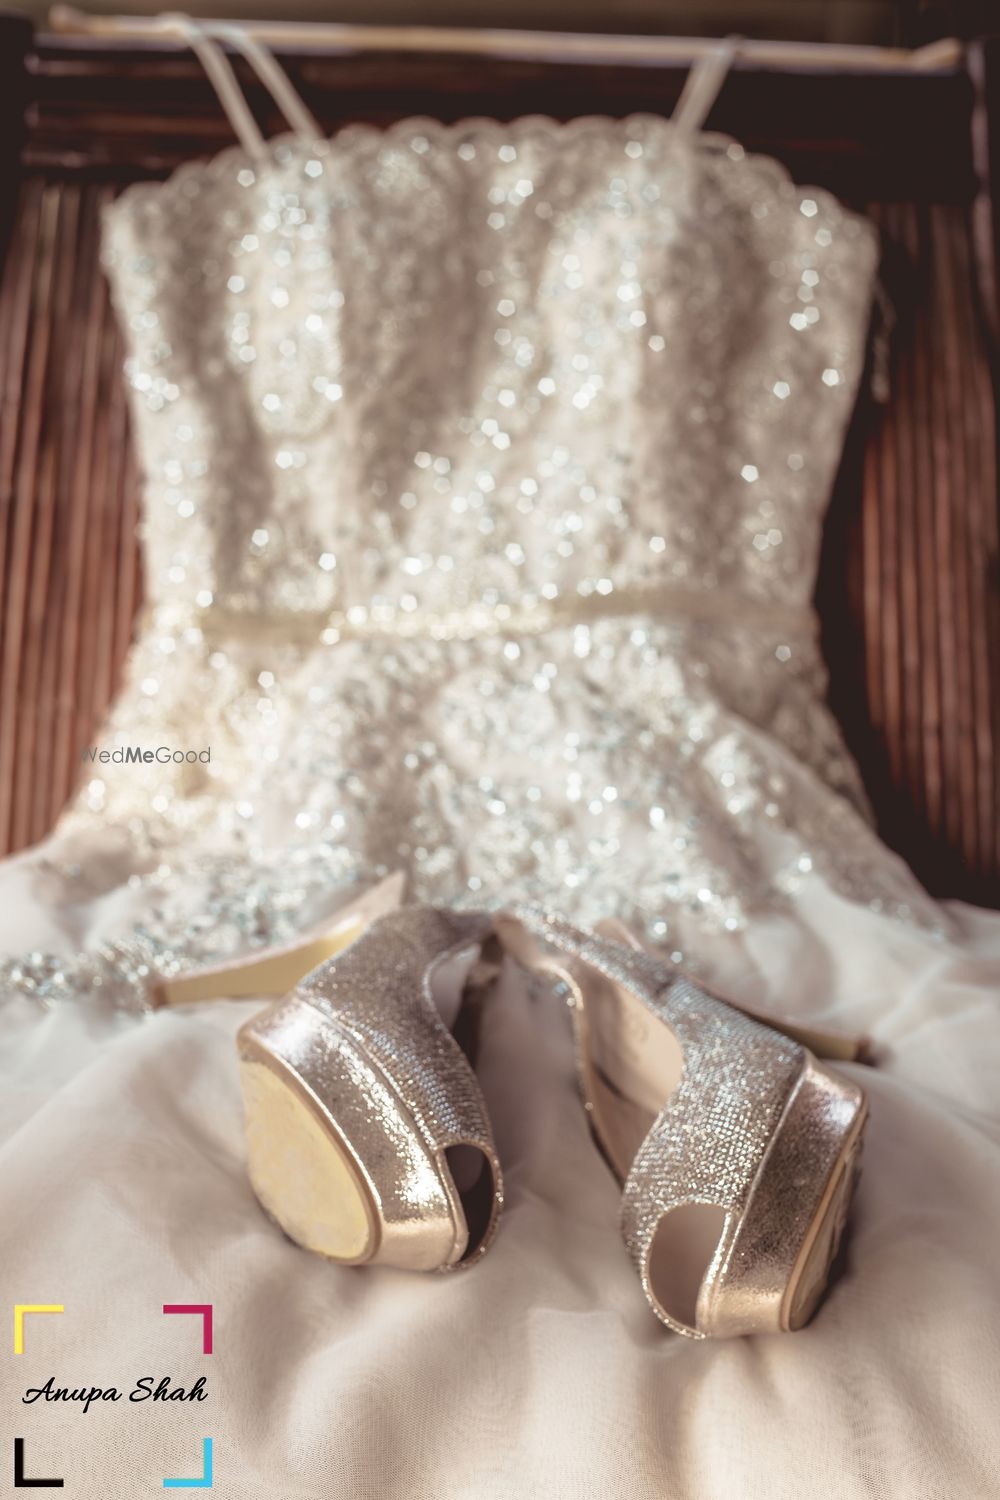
(494, 371)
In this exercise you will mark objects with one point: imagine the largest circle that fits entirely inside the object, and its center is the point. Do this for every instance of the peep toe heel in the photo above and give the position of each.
(367, 1133)
(736, 1148)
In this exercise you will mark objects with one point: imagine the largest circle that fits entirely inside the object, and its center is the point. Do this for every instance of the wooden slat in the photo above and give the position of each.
(18, 694)
(926, 555)
(68, 552)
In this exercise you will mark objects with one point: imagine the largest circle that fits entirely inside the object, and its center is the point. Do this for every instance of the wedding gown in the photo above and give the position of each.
(485, 467)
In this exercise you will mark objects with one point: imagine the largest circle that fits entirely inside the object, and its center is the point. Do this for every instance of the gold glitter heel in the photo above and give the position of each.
(736, 1149)
(367, 1134)
(275, 970)
(785, 1241)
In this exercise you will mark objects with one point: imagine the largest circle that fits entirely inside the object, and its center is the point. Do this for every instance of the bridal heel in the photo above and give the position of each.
(276, 970)
(367, 1134)
(737, 1150)
(803, 1190)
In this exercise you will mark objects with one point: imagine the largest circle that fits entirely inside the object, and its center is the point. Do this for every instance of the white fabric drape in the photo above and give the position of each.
(542, 1372)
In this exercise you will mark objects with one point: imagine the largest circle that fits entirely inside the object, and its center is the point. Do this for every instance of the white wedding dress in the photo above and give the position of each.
(485, 470)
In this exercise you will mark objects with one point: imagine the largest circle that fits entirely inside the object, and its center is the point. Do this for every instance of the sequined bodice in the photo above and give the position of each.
(449, 368)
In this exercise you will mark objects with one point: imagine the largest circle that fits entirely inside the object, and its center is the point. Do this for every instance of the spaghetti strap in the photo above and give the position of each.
(274, 78)
(221, 76)
(703, 85)
(203, 41)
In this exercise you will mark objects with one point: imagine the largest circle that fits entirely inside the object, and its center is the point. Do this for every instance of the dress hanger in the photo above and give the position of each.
(667, 51)
(701, 88)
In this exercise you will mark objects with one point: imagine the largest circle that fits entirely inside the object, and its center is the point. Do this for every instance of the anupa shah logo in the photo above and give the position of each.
(146, 1389)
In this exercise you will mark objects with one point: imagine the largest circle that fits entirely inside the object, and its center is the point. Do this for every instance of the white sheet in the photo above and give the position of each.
(542, 1371)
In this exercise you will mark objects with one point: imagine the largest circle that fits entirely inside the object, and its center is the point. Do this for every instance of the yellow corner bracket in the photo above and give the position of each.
(20, 1308)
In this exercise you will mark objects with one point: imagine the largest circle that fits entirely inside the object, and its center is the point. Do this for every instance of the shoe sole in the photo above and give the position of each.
(303, 1172)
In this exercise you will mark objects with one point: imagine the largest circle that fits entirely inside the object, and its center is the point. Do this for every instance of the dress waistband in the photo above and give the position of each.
(530, 616)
